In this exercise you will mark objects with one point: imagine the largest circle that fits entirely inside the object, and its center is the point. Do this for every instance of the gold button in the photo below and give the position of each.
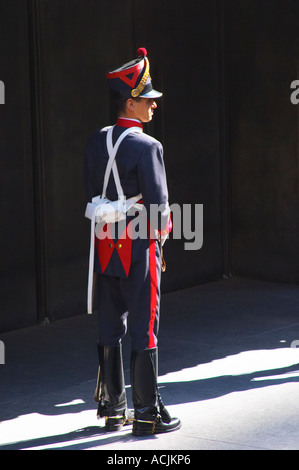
(110, 245)
(119, 245)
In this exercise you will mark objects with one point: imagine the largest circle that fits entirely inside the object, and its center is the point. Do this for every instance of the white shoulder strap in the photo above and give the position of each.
(129, 203)
(112, 151)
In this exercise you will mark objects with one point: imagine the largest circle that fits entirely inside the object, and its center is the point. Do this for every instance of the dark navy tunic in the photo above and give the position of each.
(129, 269)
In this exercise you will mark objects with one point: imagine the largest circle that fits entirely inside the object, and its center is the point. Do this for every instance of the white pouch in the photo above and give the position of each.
(105, 210)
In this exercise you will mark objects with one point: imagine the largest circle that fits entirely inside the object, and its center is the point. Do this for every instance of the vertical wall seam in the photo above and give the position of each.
(223, 91)
(35, 67)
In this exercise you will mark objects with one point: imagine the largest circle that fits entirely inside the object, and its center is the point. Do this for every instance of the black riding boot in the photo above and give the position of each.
(110, 390)
(151, 416)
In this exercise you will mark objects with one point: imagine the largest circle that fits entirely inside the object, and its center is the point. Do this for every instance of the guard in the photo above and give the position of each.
(124, 164)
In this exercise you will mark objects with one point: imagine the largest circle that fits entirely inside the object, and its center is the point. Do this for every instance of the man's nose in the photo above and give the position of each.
(154, 104)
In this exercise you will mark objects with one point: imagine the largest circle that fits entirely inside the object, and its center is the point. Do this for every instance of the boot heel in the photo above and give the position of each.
(114, 423)
(143, 428)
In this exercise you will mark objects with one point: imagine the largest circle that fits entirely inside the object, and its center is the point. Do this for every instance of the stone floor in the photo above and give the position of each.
(228, 368)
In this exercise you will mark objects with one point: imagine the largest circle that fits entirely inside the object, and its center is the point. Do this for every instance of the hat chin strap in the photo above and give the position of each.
(136, 91)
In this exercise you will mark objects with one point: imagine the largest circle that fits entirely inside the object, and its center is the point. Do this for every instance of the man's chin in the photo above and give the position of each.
(144, 121)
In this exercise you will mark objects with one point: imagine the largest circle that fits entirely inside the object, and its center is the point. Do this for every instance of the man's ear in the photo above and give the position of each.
(130, 104)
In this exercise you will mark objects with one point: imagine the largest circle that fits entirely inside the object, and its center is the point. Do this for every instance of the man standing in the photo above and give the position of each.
(129, 266)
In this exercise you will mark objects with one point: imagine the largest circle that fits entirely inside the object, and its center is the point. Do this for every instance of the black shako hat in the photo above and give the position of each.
(132, 79)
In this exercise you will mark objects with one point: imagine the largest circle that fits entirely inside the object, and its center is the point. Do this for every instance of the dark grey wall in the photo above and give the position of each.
(18, 295)
(226, 122)
(185, 65)
(262, 52)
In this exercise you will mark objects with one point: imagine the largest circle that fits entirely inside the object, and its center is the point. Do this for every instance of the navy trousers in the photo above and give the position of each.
(132, 303)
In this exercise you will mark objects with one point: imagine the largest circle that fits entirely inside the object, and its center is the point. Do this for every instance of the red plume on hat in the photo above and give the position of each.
(142, 52)
(132, 79)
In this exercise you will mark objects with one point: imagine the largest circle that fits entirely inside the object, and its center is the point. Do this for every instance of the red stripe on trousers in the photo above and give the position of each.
(153, 302)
